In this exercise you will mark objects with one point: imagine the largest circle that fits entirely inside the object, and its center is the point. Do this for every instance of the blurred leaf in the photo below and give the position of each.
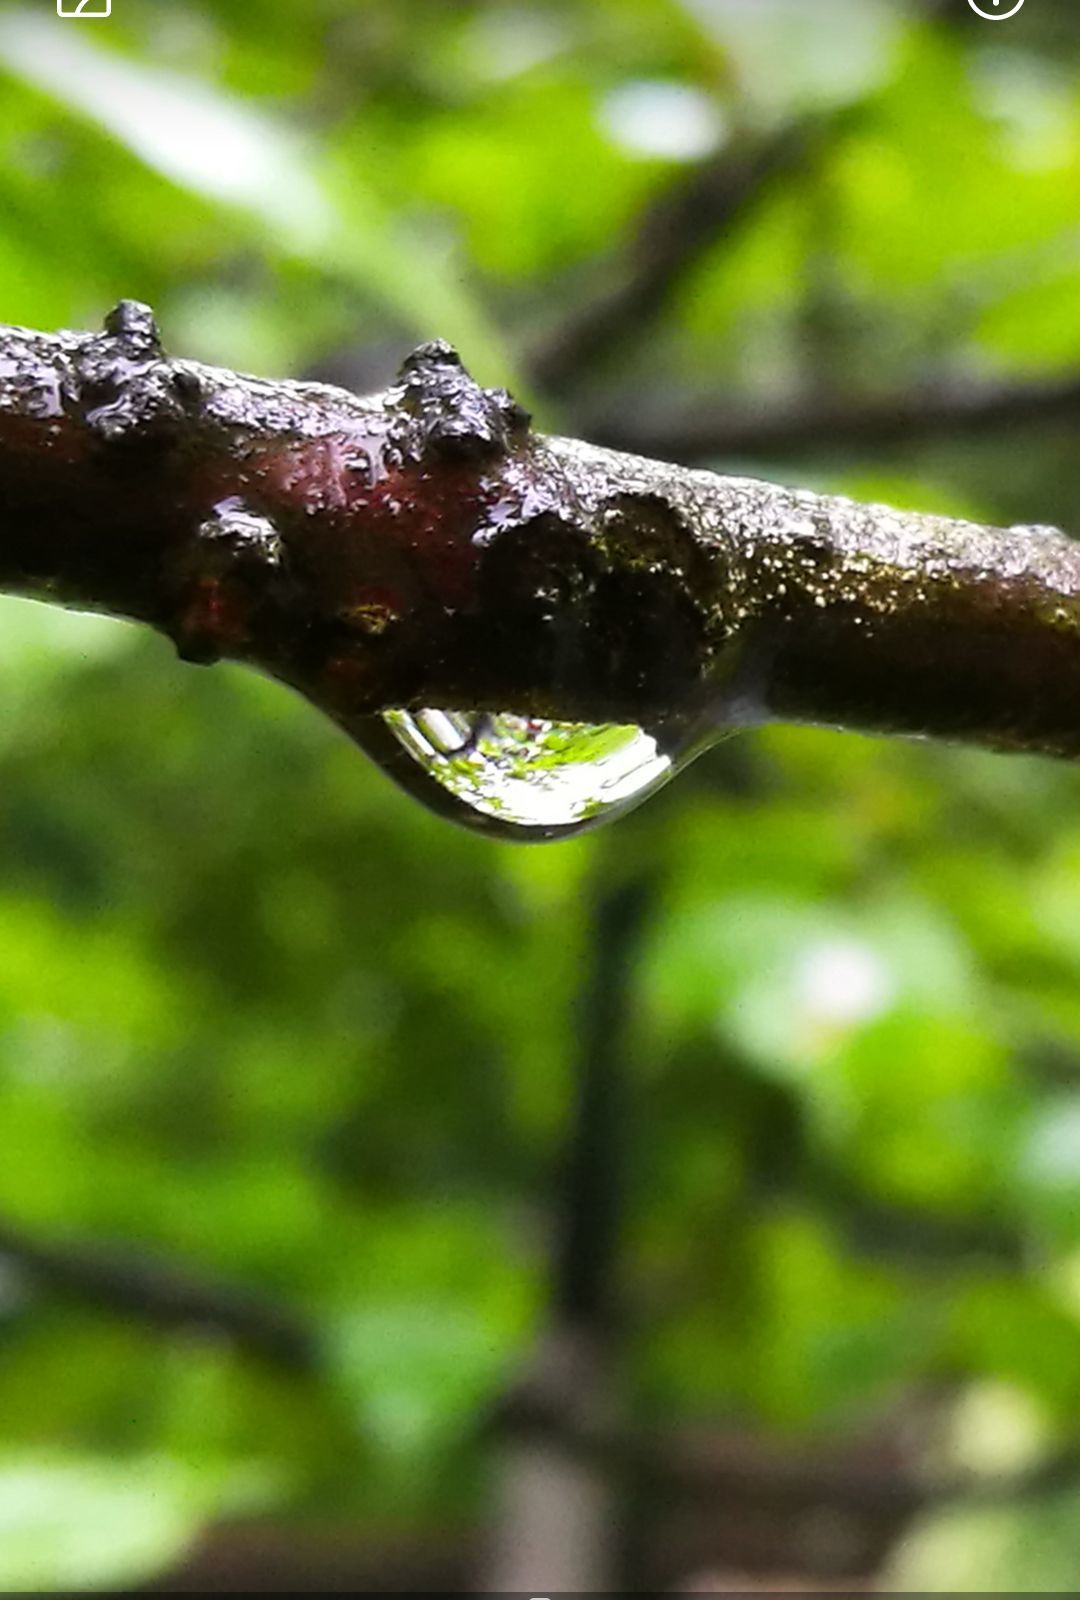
(218, 147)
(1011, 1549)
(70, 1523)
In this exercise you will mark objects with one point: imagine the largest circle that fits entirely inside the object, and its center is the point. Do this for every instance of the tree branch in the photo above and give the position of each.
(675, 231)
(672, 235)
(585, 1265)
(549, 1497)
(132, 1284)
(421, 547)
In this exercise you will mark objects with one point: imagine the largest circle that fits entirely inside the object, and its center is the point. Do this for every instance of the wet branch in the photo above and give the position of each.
(422, 547)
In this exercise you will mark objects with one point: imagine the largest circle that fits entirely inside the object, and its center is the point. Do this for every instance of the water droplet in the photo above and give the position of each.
(524, 777)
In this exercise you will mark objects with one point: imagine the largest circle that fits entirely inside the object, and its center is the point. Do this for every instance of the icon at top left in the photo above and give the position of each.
(83, 8)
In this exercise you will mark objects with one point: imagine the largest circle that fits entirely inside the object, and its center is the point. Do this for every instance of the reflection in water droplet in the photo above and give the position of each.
(525, 777)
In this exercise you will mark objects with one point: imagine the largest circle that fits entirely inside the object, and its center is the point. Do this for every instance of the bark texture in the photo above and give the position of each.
(423, 547)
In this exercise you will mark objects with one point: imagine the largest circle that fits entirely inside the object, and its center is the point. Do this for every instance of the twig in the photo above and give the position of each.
(134, 1284)
(851, 426)
(675, 231)
(422, 547)
(741, 1469)
(670, 238)
(585, 1289)
(558, 1522)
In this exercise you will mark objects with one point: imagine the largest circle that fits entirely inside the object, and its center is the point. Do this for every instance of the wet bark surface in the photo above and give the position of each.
(423, 547)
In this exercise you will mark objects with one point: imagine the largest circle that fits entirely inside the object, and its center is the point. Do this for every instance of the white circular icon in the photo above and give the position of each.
(995, 14)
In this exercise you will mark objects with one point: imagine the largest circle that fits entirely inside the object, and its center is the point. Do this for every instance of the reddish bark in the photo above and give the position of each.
(422, 547)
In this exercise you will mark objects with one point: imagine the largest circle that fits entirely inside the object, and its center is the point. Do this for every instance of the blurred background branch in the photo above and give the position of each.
(558, 1519)
(669, 239)
(975, 411)
(133, 1284)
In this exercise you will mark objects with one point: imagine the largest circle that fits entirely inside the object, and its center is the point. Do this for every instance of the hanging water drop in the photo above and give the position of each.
(525, 777)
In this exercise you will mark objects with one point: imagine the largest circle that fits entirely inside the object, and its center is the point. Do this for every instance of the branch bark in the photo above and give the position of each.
(422, 547)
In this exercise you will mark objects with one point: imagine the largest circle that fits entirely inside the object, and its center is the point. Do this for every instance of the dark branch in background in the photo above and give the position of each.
(733, 1468)
(127, 1283)
(669, 239)
(556, 1527)
(673, 233)
(849, 426)
(584, 1287)
(874, 1231)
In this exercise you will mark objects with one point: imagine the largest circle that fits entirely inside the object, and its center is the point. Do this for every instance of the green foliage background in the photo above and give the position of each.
(262, 1016)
